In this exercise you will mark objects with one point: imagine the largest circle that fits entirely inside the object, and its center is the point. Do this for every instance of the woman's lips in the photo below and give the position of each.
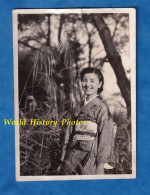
(87, 89)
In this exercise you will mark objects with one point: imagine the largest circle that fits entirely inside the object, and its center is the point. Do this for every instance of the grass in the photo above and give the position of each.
(40, 148)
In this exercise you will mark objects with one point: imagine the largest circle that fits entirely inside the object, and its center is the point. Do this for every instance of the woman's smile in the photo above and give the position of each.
(90, 84)
(87, 88)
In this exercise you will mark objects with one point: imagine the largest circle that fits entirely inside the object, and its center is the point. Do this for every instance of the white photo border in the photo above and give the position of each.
(132, 30)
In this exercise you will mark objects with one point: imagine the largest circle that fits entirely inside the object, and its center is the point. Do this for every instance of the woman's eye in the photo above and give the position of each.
(84, 80)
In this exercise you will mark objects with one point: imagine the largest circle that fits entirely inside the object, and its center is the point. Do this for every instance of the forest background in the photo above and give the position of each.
(53, 49)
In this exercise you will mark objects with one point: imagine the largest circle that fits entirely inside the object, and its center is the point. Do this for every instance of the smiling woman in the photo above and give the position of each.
(90, 147)
(92, 82)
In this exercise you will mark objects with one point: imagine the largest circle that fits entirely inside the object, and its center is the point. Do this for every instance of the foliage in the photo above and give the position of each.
(123, 149)
(40, 147)
(52, 84)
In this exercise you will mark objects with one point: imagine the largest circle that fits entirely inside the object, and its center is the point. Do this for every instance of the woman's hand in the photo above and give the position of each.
(100, 169)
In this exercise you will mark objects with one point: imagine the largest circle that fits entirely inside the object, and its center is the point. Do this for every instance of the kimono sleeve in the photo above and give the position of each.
(105, 135)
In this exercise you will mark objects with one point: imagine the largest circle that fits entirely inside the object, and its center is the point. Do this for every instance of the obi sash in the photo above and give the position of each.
(85, 132)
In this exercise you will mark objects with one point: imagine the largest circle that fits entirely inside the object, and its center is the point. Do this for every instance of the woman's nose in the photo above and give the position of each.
(87, 83)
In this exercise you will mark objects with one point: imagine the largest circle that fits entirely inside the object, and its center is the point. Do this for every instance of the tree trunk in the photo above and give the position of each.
(89, 44)
(60, 27)
(49, 30)
(114, 59)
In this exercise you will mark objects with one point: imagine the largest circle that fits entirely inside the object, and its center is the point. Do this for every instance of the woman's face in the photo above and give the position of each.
(90, 84)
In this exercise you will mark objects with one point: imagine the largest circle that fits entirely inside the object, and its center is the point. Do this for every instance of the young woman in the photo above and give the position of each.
(89, 146)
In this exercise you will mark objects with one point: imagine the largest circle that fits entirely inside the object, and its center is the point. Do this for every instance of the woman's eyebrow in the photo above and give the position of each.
(89, 79)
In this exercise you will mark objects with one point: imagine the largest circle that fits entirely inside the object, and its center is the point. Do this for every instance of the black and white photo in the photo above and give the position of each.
(75, 93)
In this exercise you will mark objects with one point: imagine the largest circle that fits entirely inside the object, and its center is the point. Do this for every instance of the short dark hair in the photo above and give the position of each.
(97, 72)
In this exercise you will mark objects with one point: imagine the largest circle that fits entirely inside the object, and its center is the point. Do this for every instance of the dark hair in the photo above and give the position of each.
(97, 72)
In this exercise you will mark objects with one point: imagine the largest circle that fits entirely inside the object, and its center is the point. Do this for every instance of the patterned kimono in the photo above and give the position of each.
(90, 144)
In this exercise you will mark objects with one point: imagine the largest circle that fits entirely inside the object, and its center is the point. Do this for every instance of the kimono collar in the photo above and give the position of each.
(87, 101)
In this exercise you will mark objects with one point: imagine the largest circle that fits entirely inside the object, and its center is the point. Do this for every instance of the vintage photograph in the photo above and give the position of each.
(75, 93)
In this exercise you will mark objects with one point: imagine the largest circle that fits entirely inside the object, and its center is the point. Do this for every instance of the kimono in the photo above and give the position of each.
(90, 144)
